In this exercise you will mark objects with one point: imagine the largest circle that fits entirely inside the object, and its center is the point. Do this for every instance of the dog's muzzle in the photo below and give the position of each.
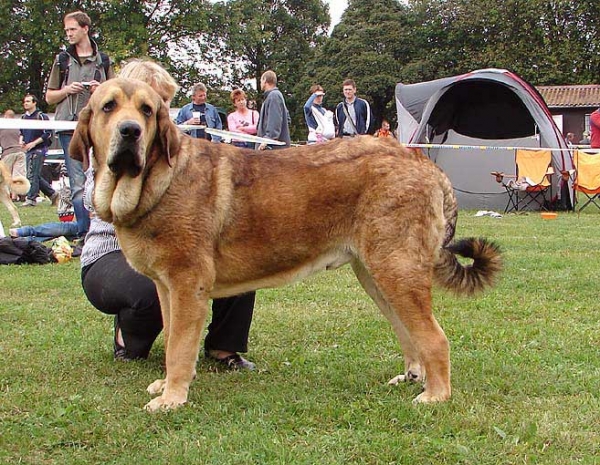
(126, 154)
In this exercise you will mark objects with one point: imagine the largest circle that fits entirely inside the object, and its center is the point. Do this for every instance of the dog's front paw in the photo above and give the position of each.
(16, 224)
(157, 387)
(164, 404)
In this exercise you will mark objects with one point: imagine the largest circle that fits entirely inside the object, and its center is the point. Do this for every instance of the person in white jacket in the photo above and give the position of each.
(318, 119)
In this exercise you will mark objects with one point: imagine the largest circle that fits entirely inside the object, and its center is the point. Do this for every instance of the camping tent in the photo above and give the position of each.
(493, 108)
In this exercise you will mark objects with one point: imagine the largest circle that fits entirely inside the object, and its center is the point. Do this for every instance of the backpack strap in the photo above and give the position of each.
(64, 62)
(47, 142)
(105, 60)
(350, 118)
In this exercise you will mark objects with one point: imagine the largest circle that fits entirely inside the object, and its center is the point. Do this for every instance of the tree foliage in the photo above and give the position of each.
(370, 45)
(254, 35)
(124, 29)
(547, 42)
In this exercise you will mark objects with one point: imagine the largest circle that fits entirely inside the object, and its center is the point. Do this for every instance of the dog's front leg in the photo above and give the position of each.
(187, 313)
(158, 386)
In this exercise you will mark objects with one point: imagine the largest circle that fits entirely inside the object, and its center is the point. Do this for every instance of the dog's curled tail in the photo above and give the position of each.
(470, 278)
(19, 185)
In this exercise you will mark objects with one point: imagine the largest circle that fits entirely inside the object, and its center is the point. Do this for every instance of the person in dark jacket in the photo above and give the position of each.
(35, 145)
(353, 114)
(273, 121)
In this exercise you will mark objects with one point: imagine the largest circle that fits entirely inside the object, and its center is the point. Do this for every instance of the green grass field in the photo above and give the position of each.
(525, 370)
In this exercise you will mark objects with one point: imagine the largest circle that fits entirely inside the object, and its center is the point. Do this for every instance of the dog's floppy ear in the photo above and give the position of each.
(167, 134)
(79, 149)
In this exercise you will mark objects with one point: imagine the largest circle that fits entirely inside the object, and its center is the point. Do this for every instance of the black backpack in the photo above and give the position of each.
(19, 251)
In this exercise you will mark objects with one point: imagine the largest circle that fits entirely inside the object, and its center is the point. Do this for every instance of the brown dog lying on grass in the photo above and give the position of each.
(208, 220)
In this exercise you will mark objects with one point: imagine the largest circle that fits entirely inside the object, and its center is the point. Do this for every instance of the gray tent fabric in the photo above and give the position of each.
(490, 107)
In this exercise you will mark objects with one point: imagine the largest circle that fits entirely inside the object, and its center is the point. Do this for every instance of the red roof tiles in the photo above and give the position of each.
(571, 96)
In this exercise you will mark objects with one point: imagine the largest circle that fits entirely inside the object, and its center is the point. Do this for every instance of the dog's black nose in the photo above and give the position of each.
(130, 130)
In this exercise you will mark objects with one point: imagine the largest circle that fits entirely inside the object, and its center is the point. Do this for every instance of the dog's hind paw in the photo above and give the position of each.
(157, 387)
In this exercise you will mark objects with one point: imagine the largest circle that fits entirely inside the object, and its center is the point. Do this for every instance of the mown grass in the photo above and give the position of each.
(526, 370)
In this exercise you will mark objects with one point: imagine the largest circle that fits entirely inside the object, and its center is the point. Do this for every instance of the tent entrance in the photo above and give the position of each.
(481, 110)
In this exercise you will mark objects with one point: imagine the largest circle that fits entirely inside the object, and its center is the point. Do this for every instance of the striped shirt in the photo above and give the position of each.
(101, 238)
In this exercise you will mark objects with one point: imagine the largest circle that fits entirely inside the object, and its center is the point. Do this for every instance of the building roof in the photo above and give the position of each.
(571, 96)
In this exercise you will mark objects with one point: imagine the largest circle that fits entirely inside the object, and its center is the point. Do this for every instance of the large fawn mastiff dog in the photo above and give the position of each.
(208, 220)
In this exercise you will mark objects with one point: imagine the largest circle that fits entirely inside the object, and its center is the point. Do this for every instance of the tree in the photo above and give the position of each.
(371, 44)
(544, 41)
(33, 37)
(254, 35)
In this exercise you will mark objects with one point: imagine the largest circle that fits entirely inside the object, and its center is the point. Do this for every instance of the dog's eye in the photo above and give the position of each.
(109, 106)
(147, 110)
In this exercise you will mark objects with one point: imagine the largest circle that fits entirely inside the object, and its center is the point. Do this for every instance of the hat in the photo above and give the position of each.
(319, 92)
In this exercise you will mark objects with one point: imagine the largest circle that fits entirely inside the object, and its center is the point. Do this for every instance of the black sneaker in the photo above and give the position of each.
(120, 353)
(232, 362)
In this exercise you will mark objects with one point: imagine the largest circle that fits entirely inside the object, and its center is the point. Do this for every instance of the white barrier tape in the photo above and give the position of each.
(243, 137)
(491, 147)
(18, 123)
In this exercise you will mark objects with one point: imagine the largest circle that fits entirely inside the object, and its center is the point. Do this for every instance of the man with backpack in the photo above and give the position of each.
(76, 73)
(35, 143)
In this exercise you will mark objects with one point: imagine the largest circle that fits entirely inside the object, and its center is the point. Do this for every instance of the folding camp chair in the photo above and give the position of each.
(587, 176)
(532, 183)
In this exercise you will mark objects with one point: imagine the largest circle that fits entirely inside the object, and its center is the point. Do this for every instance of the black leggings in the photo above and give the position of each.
(113, 287)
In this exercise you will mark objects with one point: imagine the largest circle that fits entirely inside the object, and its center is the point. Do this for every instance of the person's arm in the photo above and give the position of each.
(232, 123)
(216, 121)
(308, 115)
(38, 141)
(58, 95)
(185, 116)
(252, 127)
(276, 113)
(339, 119)
(368, 117)
(56, 92)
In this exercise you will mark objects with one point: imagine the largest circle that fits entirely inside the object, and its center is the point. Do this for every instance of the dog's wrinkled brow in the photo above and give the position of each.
(115, 95)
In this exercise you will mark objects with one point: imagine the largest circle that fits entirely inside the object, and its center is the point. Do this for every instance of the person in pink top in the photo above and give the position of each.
(243, 119)
(595, 129)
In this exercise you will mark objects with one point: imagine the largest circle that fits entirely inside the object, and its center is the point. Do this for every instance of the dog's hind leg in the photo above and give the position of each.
(10, 206)
(187, 312)
(413, 371)
(406, 282)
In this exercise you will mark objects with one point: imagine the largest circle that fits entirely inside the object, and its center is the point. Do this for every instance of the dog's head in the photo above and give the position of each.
(126, 132)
